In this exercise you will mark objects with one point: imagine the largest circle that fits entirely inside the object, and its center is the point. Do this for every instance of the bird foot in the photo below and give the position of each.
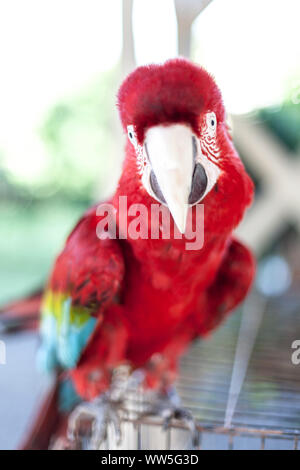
(88, 423)
(167, 406)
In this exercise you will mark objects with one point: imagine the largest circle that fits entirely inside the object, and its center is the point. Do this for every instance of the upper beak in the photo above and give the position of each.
(170, 151)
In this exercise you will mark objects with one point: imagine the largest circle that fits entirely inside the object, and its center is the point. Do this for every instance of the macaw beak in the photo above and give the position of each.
(171, 153)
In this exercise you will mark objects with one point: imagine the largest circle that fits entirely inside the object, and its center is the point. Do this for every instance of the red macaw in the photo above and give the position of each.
(141, 301)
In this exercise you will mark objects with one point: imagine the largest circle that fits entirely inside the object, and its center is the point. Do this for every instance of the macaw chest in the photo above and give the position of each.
(164, 281)
(169, 267)
(164, 288)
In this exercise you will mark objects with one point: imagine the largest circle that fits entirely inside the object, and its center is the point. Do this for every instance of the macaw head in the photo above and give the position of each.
(175, 122)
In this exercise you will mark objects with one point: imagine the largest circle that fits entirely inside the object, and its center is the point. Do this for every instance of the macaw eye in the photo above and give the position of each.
(211, 122)
(131, 135)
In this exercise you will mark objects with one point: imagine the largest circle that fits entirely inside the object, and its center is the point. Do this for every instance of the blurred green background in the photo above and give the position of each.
(36, 215)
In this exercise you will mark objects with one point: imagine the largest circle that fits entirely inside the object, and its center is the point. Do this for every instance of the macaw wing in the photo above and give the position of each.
(86, 279)
(229, 288)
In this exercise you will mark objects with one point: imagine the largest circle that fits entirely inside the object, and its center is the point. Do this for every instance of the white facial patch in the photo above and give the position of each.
(211, 168)
(212, 171)
(208, 137)
(141, 157)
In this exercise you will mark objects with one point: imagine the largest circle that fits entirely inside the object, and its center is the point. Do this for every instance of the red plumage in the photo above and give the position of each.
(153, 297)
(175, 92)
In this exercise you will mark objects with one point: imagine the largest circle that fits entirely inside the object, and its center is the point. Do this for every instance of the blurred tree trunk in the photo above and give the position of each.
(128, 57)
(186, 12)
(127, 64)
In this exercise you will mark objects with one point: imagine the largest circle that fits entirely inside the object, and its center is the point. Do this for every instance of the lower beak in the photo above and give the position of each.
(172, 157)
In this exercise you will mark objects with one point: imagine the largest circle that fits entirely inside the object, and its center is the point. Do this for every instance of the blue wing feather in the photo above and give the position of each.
(65, 331)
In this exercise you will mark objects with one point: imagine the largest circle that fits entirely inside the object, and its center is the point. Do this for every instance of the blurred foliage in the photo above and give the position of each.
(77, 141)
(284, 120)
(31, 235)
(79, 135)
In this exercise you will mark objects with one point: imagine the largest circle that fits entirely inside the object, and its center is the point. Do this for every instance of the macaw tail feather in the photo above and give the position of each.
(21, 314)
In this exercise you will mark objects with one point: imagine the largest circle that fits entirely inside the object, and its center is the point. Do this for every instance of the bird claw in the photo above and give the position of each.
(187, 418)
(99, 414)
(168, 408)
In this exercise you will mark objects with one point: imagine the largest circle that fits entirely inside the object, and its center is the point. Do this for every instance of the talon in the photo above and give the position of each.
(167, 407)
(73, 432)
(99, 414)
(188, 419)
